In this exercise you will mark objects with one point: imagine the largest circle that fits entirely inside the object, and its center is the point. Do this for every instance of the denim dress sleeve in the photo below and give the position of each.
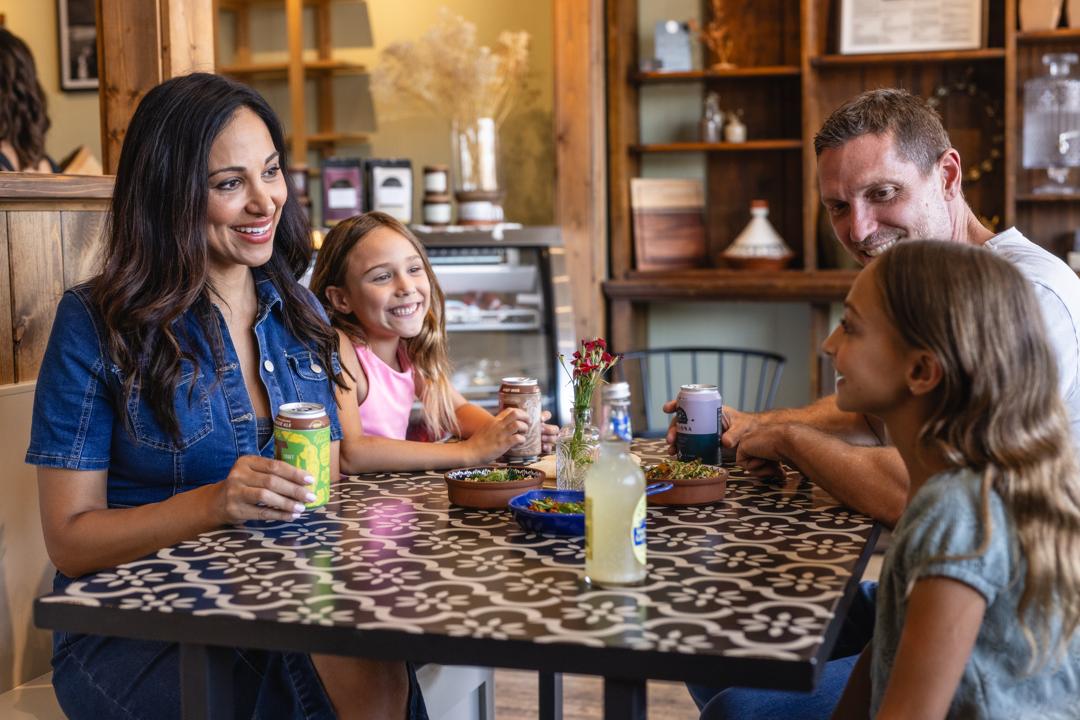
(73, 413)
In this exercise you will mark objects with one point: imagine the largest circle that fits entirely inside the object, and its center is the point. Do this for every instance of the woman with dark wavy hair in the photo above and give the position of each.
(153, 414)
(23, 117)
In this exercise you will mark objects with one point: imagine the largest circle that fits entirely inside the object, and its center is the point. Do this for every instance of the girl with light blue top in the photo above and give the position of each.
(979, 600)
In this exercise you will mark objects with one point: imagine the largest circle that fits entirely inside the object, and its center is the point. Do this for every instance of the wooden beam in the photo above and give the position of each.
(185, 47)
(7, 357)
(580, 168)
(294, 30)
(140, 44)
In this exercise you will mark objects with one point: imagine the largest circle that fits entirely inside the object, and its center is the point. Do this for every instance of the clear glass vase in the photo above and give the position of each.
(575, 450)
(475, 155)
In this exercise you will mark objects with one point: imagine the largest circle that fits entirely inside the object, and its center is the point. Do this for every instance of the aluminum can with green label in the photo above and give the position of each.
(302, 439)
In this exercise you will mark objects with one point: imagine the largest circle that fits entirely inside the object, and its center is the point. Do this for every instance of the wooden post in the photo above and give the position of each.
(581, 178)
(294, 30)
(140, 44)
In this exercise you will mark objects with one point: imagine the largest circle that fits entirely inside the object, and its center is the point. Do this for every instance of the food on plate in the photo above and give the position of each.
(679, 470)
(551, 505)
(496, 475)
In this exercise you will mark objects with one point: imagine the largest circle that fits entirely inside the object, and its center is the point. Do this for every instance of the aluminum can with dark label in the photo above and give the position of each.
(698, 423)
(302, 439)
(524, 393)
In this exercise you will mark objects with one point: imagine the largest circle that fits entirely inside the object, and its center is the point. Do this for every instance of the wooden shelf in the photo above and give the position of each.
(944, 56)
(1044, 36)
(761, 71)
(281, 69)
(332, 138)
(1047, 198)
(748, 146)
(722, 284)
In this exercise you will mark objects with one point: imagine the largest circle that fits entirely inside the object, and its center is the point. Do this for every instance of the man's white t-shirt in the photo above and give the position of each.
(1057, 289)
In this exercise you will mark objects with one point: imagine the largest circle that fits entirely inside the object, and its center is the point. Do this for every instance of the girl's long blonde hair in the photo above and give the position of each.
(427, 351)
(997, 412)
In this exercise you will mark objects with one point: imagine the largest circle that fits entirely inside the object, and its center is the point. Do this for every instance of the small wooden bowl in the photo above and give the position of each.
(488, 495)
(693, 491)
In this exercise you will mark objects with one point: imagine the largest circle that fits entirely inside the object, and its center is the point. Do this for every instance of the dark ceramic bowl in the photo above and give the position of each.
(568, 524)
(488, 495)
(694, 491)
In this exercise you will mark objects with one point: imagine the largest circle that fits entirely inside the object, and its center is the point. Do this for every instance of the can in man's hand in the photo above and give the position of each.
(302, 439)
(699, 423)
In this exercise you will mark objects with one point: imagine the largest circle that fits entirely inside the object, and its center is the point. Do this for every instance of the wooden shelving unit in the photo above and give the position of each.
(790, 78)
(297, 71)
(748, 146)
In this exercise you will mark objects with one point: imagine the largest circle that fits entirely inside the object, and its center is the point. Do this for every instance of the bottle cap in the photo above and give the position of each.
(615, 391)
(759, 204)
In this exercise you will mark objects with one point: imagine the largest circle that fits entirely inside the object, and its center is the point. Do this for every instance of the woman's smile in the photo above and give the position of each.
(256, 234)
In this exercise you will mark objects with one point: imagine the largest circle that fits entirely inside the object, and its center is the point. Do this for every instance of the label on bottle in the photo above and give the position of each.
(588, 528)
(620, 425)
(637, 530)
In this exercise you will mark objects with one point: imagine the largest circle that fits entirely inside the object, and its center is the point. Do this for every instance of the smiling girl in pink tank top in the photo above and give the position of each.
(380, 292)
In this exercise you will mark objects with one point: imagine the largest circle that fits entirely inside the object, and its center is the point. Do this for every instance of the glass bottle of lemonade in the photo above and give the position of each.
(615, 499)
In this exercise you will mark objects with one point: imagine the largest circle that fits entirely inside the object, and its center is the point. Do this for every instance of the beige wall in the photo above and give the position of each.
(75, 116)
(362, 29)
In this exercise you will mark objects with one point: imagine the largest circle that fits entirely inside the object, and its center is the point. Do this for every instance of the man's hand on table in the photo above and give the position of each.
(761, 449)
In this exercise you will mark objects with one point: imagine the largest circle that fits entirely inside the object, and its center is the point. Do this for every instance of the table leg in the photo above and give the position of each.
(624, 699)
(205, 682)
(550, 696)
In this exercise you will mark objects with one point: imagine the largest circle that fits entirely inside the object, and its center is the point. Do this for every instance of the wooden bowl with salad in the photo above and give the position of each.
(490, 487)
(695, 483)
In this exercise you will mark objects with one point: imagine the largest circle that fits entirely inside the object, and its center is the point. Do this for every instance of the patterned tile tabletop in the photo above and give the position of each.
(758, 575)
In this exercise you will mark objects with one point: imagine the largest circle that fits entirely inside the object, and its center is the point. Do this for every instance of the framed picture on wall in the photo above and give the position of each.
(77, 33)
(895, 26)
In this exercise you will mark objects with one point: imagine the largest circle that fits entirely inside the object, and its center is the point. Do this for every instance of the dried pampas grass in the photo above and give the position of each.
(446, 73)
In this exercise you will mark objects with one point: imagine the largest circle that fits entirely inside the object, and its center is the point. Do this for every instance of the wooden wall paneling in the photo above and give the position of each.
(82, 244)
(34, 244)
(7, 346)
(622, 128)
(581, 178)
(773, 38)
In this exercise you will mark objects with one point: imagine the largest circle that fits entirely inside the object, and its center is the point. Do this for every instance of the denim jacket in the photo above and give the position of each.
(75, 425)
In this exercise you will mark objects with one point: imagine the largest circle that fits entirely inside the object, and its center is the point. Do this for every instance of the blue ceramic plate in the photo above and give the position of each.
(566, 524)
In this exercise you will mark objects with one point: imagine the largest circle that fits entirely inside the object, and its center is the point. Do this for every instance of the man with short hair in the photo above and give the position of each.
(887, 172)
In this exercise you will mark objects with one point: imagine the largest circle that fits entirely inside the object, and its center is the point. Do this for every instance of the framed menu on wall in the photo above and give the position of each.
(888, 26)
